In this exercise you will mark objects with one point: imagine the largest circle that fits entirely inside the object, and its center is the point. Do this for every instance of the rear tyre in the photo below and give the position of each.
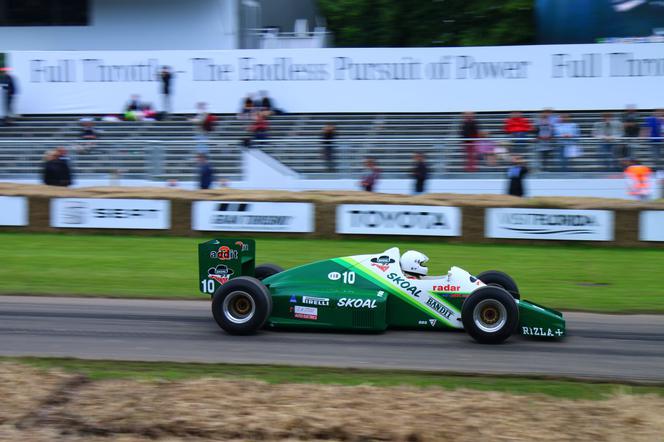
(242, 305)
(490, 315)
(500, 279)
(266, 270)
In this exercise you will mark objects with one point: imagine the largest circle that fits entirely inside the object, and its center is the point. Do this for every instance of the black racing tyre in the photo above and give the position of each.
(242, 305)
(265, 270)
(500, 279)
(490, 315)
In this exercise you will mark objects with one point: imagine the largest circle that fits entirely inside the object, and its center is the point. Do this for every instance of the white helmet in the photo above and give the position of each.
(414, 262)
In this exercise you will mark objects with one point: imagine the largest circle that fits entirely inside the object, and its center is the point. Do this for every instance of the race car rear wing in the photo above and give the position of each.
(220, 260)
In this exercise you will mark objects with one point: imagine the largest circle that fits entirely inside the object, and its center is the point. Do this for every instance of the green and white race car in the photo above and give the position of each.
(365, 293)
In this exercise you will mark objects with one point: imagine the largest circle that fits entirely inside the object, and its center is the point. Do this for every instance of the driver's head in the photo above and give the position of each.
(414, 263)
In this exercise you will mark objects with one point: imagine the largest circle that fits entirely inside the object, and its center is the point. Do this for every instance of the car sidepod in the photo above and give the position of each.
(539, 321)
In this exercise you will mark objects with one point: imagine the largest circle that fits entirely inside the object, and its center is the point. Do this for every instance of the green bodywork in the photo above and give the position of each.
(342, 294)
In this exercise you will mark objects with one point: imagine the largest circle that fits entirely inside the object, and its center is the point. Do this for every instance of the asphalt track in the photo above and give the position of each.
(615, 347)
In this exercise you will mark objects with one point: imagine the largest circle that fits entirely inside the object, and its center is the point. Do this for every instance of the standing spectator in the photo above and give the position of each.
(56, 169)
(247, 107)
(469, 132)
(654, 126)
(638, 179)
(329, 133)
(49, 172)
(420, 172)
(631, 131)
(370, 179)
(205, 171)
(517, 126)
(515, 175)
(204, 123)
(8, 83)
(88, 134)
(567, 133)
(166, 77)
(609, 130)
(544, 131)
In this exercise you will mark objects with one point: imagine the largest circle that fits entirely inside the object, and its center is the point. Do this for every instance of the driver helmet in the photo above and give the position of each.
(414, 263)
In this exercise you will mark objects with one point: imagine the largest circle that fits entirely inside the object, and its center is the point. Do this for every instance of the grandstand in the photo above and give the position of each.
(166, 149)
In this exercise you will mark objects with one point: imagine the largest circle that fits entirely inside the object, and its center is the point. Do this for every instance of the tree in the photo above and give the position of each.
(407, 23)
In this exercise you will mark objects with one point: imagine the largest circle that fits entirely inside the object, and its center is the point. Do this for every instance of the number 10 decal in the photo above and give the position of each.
(348, 277)
(207, 286)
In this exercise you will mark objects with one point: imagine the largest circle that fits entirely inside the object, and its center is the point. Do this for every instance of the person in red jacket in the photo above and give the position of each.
(517, 126)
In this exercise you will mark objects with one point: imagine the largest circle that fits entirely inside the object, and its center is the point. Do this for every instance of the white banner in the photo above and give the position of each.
(651, 225)
(555, 224)
(101, 213)
(252, 216)
(13, 211)
(385, 219)
(594, 76)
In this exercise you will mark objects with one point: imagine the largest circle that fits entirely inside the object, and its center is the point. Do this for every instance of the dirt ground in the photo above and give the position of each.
(53, 406)
(336, 197)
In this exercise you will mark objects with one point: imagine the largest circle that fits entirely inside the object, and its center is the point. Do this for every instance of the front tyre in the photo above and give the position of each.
(490, 315)
(242, 305)
(500, 279)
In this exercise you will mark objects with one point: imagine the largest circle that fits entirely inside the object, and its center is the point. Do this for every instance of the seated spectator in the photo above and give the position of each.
(608, 131)
(487, 149)
(260, 125)
(132, 108)
(265, 103)
(148, 112)
(204, 123)
(517, 126)
(567, 133)
(88, 134)
(49, 173)
(369, 180)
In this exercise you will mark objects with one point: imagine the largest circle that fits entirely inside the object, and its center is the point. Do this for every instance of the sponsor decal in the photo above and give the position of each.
(539, 331)
(439, 307)
(382, 262)
(293, 299)
(422, 322)
(356, 303)
(334, 276)
(324, 302)
(404, 284)
(302, 312)
(388, 219)
(432, 322)
(224, 253)
(446, 288)
(563, 224)
(380, 293)
(220, 273)
(244, 247)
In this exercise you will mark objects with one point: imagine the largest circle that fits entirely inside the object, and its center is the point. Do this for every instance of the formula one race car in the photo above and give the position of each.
(364, 293)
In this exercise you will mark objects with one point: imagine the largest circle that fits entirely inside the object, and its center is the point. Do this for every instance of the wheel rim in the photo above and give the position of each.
(239, 307)
(489, 315)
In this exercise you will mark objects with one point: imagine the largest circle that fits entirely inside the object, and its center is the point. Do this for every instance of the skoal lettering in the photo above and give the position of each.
(404, 220)
(404, 284)
(356, 303)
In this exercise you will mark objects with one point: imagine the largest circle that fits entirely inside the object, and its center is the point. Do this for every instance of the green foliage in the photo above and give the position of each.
(401, 23)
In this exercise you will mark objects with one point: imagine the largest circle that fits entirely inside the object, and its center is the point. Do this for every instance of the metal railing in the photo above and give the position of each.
(446, 157)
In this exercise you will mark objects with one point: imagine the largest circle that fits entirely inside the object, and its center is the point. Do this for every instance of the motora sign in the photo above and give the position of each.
(387, 219)
(549, 224)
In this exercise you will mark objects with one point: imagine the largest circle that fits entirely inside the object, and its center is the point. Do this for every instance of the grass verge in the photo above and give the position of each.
(560, 276)
(100, 370)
